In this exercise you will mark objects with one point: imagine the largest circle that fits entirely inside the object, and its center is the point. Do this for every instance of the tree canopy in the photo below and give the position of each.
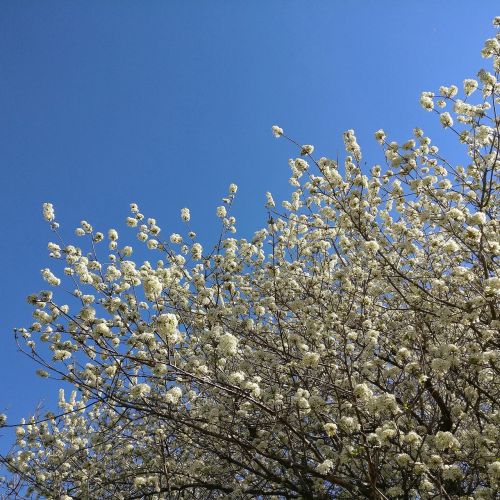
(349, 349)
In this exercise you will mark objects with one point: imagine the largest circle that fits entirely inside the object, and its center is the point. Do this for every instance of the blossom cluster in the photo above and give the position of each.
(348, 349)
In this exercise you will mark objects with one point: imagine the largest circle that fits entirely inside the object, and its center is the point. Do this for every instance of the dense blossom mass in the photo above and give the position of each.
(349, 349)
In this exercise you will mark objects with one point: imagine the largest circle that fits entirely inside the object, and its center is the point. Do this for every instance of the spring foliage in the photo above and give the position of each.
(349, 349)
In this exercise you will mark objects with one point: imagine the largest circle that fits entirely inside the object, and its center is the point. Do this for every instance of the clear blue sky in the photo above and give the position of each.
(164, 103)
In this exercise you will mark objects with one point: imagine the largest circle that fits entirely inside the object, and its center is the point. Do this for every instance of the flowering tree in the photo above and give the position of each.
(350, 349)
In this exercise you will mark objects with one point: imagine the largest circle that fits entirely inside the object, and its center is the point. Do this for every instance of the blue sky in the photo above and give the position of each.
(165, 103)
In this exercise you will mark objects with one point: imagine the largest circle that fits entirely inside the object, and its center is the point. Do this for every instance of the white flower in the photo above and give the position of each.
(86, 226)
(363, 392)
(426, 101)
(221, 211)
(111, 370)
(61, 354)
(325, 467)
(270, 201)
(113, 234)
(102, 330)
(112, 273)
(413, 438)
(403, 459)
(446, 440)
(185, 214)
(491, 47)
(310, 360)
(173, 395)
(330, 429)
(196, 251)
(54, 249)
(236, 378)
(253, 387)
(446, 120)
(478, 218)
(140, 390)
(385, 403)
(277, 131)
(351, 144)
(372, 246)
(152, 287)
(492, 286)
(494, 470)
(228, 344)
(380, 136)
(50, 278)
(452, 472)
(469, 86)
(166, 325)
(394, 492)
(349, 424)
(140, 481)
(484, 134)
(307, 149)
(233, 188)
(472, 233)
(48, 212)
(154, 229)
(131, 222)
(451, 246)
(142, 236)
(450, 91)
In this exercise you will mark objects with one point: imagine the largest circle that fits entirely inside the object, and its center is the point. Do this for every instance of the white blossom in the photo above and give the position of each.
(61, 354)
(330, 428)
(348, 424)
(307, 149)
(380, 136)
(228, 344)
(167, 326)
(140, 390)
(48, 212)
(325, 467)
(50, 278)
(372, 246)
(426, 101)
(221, 211)
(446, 119)
(277, 131)
(446, 440)
(173, 395)
(196, 251)
(236, 378)
(152, 287)
(470, 86)
(185, 214)
(102, 330)
(270, 201)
